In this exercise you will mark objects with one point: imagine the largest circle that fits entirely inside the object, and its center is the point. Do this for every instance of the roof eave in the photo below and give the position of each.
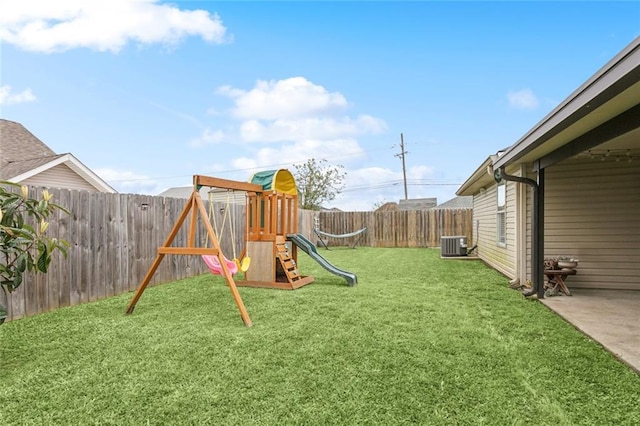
(600, 88)
(479, 179)
(74, 164)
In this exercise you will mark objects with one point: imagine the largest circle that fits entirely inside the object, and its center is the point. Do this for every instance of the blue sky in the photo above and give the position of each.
(149, 93)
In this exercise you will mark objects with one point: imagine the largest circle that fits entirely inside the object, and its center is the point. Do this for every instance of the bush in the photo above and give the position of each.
(24, 244)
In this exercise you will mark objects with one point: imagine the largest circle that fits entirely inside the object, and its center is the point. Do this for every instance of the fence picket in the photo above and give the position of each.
(405, 228)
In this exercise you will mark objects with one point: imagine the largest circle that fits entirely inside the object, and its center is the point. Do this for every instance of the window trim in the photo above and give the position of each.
(501, 215)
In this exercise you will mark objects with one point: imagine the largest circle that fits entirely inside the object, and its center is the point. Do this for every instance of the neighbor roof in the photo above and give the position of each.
(181, 192)
(461, 202)
(22, 155)
(218, 195)
(417, 203)
(20, 150)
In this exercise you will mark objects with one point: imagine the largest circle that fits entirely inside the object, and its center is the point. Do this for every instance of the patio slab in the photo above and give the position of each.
(610, 317)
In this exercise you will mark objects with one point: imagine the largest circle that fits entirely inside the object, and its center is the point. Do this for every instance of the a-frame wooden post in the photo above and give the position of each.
(194, 206)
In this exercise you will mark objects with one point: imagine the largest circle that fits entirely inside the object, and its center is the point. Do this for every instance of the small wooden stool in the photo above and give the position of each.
(556, 279)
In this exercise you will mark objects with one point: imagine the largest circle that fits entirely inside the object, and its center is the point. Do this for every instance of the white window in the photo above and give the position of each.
(501, 216)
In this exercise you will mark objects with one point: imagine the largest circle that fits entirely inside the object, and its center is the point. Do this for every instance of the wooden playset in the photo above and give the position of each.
(272, 215)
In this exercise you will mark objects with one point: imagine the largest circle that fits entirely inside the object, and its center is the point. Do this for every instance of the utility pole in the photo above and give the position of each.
(401, 155)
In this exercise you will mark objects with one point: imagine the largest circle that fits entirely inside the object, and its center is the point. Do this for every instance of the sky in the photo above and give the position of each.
(148, 93)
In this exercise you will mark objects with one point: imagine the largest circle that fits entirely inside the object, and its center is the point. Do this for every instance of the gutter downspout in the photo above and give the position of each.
(537, 235)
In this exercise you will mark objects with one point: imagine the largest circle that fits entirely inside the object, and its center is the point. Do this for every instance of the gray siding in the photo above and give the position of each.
(592, 212)
(59, 176)
(501, 258)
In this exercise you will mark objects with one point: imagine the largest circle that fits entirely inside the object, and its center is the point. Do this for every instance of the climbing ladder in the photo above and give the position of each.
(287, 262)
(279, 266)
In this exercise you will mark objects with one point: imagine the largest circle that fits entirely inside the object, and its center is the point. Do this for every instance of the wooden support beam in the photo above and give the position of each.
(213, 182)
(188, 250)
(194, 206)
(144, 283)
(278, 285)
(193, 223)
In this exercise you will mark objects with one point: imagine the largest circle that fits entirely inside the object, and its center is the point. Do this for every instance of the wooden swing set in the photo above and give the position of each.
(195, 209)
(271, 216)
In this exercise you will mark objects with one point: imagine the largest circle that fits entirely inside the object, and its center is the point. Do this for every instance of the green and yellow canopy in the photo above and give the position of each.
(280, 180)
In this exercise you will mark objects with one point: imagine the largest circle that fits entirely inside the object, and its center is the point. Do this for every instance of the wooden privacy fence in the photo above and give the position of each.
(114, 239)
(405, 228)
(113, 242)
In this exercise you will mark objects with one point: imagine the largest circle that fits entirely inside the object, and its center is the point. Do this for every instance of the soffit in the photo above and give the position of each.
(599, 116)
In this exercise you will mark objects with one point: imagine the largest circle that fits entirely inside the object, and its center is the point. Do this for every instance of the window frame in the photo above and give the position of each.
(501, 214)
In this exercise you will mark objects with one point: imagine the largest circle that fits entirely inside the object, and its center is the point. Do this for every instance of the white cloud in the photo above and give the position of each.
(312, 127)
(54, 26)
(128, 182)
(290, 121)
(208, 137)
(7, 97)
(334, 151)
(284, 99)
(522, 99)
(367, 186)
(419, 172)
(295, 110)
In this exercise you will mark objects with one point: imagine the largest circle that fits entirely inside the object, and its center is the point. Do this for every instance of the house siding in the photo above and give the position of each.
(501, 258)
(591, 212)
(590, 204)
(60, 176)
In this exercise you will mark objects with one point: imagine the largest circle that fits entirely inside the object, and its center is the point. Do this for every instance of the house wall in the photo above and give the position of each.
(60, 176)
(591, 212)
(502, 258)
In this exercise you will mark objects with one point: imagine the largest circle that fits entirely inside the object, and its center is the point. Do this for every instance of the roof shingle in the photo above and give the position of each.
(20, 150)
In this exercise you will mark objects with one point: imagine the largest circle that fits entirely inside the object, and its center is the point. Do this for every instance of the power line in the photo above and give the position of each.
(392, 183)
(266, 166)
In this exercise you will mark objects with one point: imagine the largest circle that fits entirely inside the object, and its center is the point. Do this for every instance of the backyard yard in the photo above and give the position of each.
(419, 340)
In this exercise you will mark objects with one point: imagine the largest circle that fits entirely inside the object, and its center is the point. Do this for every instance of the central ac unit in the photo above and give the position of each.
(453, 246)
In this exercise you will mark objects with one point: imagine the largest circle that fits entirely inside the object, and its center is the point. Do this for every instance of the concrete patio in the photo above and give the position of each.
(610, 317)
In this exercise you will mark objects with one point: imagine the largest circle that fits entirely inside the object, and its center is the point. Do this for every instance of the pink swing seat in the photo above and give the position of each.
(215, 267)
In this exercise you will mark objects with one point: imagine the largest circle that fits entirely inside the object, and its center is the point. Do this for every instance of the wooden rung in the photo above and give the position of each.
(187, 250)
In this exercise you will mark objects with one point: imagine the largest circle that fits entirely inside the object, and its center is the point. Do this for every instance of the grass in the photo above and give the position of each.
(418, 341)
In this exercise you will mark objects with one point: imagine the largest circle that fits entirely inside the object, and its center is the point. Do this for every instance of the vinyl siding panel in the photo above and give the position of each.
(591, 212)
(502, 258)
(59, 176)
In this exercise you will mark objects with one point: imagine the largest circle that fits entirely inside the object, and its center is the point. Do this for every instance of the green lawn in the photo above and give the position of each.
(420, 340)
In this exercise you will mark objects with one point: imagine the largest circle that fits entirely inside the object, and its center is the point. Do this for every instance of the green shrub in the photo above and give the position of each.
(24, 244)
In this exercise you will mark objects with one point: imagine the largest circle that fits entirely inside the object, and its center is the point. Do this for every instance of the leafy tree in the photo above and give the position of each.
(24, 244)
(378, 204)
(317, 183)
